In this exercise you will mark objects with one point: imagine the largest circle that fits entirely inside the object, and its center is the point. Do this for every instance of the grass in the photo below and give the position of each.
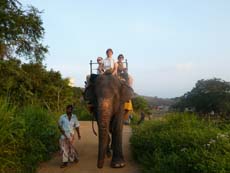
(27, 137)
(11, 137)
(181, 143)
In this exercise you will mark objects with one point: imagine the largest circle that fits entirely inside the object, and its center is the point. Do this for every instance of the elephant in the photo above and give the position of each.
(107, 93)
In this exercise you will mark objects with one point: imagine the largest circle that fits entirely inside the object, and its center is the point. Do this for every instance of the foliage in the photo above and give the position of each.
(182, 143)
(135, 118)
(40, 137)
(26, 137)
(21, 31)
(11, 137)
(26, 84)
(83, 113)
(140, 104)
(206, 96)
(81, 107)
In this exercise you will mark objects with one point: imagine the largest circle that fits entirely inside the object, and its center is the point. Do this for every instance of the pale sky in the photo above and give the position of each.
(169, 44)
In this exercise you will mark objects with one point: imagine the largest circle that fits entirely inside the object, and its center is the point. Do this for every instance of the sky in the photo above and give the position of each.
(169, 44)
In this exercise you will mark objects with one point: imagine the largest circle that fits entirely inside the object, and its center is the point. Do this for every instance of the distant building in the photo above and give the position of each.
(163, 108)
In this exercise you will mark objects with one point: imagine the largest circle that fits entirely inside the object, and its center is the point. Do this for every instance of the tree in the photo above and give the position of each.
(207, 95)
(140, 104)
(21, 32)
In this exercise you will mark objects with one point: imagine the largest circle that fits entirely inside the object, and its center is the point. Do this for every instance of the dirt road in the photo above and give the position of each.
(87, 148)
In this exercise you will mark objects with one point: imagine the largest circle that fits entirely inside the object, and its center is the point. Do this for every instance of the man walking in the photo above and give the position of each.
(67, 123)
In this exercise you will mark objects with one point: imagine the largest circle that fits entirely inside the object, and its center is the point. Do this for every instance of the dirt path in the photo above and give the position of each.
(87, 148)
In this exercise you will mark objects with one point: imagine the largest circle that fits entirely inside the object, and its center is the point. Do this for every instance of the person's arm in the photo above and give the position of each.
(115, 68)
(124, 68)
(77, 127)
(60, 122)
(62, 131)
(78, 132)
(130, 81)
(101, 70)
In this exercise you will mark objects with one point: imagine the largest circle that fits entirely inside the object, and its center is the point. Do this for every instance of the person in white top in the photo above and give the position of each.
(110, 66)
(100, 68)
(67, 123)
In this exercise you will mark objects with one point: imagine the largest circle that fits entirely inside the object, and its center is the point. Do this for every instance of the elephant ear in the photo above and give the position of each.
(89, 93)
(126, 92)
(93, 78)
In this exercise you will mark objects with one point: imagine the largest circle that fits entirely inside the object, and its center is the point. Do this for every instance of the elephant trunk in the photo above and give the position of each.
(104, 112)
(103, 141)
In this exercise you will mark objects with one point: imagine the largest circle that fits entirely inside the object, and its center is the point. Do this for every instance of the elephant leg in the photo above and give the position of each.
(118, 158)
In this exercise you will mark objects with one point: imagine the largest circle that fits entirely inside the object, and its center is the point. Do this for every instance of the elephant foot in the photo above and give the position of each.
(118, 164)
(109, 153)
(100, 163)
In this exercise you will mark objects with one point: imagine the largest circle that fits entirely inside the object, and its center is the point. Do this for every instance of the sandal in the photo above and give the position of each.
(64, 164)
(117, 165)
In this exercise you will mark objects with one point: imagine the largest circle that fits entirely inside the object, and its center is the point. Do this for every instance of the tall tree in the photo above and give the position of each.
(208, 95)
(21, 32)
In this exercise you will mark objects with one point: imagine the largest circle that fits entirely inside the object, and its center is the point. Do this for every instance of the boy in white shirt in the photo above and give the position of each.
(110, 66)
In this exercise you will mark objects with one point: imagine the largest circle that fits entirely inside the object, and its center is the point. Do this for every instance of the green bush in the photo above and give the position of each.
(27, 137)
(41, 136)
(12, 130)
(135, 118)
(182, 143)
(82, 113)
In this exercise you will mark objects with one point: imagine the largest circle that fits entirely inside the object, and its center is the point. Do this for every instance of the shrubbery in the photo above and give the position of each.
(135, 118)
(83, 113)
(40, 137)
(182, 143)
(27, 137)
(12, 131)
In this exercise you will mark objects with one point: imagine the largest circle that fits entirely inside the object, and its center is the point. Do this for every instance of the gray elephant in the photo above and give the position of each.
(108, 94)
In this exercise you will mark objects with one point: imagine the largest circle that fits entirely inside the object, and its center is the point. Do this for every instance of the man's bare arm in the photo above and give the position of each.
(78, 132)
(62, 131)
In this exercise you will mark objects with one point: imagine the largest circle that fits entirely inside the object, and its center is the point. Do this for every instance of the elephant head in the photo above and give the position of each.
(108, 95)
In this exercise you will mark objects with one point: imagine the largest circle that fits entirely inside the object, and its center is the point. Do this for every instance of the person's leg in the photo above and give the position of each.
(65, 152)
(130, 81)
(126, 117)
(73, 154)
